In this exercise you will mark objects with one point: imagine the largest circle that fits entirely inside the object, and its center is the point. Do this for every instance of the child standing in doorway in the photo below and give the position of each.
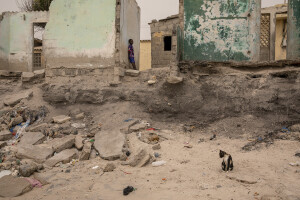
(131, 54)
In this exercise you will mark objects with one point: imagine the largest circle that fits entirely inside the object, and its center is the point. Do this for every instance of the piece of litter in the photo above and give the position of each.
(295, 164)
(159, 163)
(128, 190)
(128, 120)
(96, 167)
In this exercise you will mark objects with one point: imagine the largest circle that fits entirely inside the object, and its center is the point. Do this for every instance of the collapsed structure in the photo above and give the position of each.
(81, 38)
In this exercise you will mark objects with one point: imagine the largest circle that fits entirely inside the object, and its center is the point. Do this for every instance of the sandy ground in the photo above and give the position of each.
(189, 174)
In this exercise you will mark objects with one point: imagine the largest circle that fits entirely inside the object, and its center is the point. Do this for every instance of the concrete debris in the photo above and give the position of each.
(4, 173)
(86, 151)
(174, 80)
(38, 128)
(27, 76)
(32, 138)
(133, 73)
(109, 144)
(295, 128)
(17, 120)
(38, 153)
(151, 82)
(17, 98)
(60, 144)
(138, 127)
(41, 178)
(5, 135)
(297, 154)
(79, 142)
(3, 144)
(110, 167)
(93, 154)
(78, 126)
(141, 159)
(65, 157)
(27, 170)
(61, 119)
(13, 186)
(79, 116)
(156, 147)
(39, 73)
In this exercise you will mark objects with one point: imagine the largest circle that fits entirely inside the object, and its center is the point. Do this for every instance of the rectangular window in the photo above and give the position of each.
(168, 43)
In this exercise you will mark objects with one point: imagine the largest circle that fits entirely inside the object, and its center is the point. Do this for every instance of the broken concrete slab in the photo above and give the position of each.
(60, 144)
(141, 159)
(32, 138)
(242, 179)
(5, 135)
(138, 127)
(8, 74)
(295, 128)
(18, 97)
(131, 72)
(61, 119)
(42, 178)
(17, 120)
(64, 157)
(79, 142)
(38, 128)
(174, 80)
(86, 151)
(151, 82)
(79, 116)
(39, 73)
(38, 153)
(3, 144)
(13, 186)
(109, 144)
(27, 76)
(27, 170)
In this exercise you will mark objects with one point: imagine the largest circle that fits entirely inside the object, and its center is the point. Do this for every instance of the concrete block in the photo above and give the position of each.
(5, 135)
(61, 119)
(32, 138)
(17, 98)
(13, 186)
(131, 72)
(38, 153)
(64, 157)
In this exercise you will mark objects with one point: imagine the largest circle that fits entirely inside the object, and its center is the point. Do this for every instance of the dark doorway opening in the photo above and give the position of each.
(168, 43)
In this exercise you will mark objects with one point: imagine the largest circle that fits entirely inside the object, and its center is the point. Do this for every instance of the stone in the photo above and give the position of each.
(39, 73)
(174, 80)
(38, 153)
(3, 144)
(13, 186)
(79, 142)
(297, 154)
(65, 157)
(86, 151)
(32, 138)
(295, 128)
(17, 120)
(60, 144)
(243, 179)
(61, 119)
(38, 128)
(131, 72)
(27, 170)
(110, 167)
(93, 154)
(109, 144)
(151, 82)
(123, 157)
(156, 147)
(141, 159)
(79, 116)
(41, 178)
(17, 98)
(138, 127)
(27, 76)
(5, 135)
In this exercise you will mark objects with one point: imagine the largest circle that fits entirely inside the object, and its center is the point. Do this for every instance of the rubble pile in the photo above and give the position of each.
(31, 142)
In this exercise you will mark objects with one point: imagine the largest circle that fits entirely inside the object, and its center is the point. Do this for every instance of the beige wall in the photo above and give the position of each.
(280, 42)
(145, 55)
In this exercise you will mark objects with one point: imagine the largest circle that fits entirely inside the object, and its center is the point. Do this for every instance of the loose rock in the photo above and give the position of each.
(156, 147)
(79, 142)
(131, 72)
(65, 157)
(61, 119)
(109, 167)
(174, 80)
(60, 144)
(32, 138)
(38, 153)
(109, 144)
(27, 170)
(5, 135)
(17, 98)
(86, 151)
(13, 186)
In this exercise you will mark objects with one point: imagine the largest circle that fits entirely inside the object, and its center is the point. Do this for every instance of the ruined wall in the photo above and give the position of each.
(221, 30)
(159, 30)
(293, 43)
(130, 29)
(16, 39)
(80, 38)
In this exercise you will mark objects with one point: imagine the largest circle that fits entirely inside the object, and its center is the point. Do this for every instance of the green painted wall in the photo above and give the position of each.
(220, 30)
(293, 46)
(81, 28)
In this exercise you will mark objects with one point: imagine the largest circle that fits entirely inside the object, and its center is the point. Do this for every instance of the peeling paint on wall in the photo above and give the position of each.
(221, 30)
(81, 29)
(293, 43)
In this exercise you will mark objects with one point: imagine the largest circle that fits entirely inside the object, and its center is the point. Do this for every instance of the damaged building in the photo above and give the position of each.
(80, 38)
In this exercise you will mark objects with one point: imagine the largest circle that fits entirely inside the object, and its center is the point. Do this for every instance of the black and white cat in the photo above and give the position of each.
(227, 164)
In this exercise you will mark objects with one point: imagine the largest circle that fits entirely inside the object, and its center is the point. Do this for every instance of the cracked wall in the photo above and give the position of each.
(225, 30)
(293, 43)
